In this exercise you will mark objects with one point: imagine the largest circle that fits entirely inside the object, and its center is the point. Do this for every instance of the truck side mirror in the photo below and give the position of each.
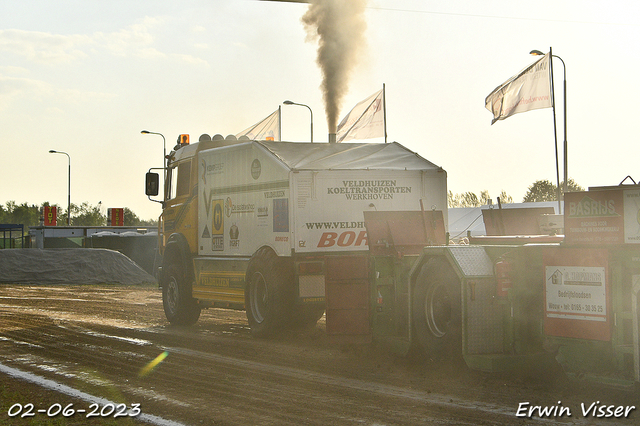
(152, 184)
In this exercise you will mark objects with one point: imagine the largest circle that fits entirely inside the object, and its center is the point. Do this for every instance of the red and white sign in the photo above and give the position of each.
(577, 293)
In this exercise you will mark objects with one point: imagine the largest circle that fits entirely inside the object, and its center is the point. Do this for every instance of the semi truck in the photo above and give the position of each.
(288, 231)
(249, 224)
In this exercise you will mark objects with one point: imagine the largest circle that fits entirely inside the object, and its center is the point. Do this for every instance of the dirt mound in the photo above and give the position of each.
(70, 266)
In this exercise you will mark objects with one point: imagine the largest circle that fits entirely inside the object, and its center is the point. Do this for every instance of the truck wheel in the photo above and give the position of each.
(179, 307)
(436, 311)
(269, 293)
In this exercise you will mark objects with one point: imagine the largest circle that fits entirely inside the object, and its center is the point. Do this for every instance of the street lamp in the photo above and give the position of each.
(293, 103)
(51, 151)
(164, 159)
(564, 69)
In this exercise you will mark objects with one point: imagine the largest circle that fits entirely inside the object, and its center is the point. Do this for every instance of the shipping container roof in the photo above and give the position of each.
(347, 156)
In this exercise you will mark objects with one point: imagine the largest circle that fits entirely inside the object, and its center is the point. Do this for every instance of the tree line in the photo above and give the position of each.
(540, 190)
(87, 215)
(81, 215)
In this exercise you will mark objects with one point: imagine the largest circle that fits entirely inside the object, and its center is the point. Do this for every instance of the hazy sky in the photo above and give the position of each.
(87, 76)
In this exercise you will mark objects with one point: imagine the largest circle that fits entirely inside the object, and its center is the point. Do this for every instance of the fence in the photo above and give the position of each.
(11, 241)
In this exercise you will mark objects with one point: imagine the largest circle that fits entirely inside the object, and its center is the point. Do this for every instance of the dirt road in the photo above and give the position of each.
(99, 339)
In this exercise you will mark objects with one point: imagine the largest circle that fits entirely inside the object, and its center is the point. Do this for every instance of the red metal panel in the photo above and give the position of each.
(347, 295)
(516, 221)
(347, 267)
(344, 322)
(404, 232)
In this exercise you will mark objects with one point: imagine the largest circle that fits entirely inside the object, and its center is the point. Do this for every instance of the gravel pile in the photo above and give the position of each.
(70, 266)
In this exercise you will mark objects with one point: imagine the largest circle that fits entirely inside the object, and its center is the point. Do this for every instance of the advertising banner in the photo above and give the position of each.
(115, 216)
(333, 205)
(50, 215)
(577, 293)
(610, 216)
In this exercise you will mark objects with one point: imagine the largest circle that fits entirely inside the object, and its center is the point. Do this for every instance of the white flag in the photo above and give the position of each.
(528, 90)
(364, 121)
(267, 129)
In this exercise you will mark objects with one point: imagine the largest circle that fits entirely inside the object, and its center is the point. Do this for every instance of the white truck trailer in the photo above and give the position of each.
(250, 224)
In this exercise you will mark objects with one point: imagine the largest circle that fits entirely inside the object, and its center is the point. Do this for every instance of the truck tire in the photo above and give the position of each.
(179, 307)
(436, 311)
(269, 293)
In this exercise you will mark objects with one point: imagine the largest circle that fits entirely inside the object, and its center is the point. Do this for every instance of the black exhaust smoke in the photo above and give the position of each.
(339, 27)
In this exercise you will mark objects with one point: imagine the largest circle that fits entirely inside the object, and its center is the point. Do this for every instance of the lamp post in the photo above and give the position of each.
(293, 103)
(51, 151)
(564, 93)
(164, 159)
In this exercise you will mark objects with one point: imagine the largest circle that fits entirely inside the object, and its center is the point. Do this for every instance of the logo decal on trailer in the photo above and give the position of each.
(234, 234)
(217, 241)
(256, 169)
(344, 239)
(218, 219)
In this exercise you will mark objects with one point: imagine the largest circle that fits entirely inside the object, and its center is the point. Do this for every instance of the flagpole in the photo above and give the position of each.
(384, 112)
(279, 122)
(555, 131)
(564, 97)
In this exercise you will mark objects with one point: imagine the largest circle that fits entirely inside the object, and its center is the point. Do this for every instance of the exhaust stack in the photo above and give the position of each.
(332, 137)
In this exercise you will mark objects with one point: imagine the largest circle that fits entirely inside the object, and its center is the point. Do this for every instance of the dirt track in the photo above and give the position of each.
(98, 339)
